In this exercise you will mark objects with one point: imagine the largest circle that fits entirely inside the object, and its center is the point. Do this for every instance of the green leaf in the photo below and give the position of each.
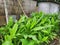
(7, 43)
(28, 23)
(7, 38)
(22, 19)
(40, 18)
(33, 22)
(31, 42)
(40, 37)
(43, 20)
(10, 22)
(24, 42)
(44, 39)
(45, 31)
(40, 27)
(31, 36)
(13, 30)
(52, 20)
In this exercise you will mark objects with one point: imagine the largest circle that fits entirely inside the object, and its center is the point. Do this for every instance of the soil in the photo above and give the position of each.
(55, 42)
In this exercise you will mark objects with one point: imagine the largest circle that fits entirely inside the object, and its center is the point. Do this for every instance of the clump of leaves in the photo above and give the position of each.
(38, 29)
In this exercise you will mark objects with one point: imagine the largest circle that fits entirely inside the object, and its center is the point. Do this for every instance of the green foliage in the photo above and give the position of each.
(38, 29)
(8, 38)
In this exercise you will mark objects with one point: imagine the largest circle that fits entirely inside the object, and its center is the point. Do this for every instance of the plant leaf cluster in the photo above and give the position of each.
(38, 29)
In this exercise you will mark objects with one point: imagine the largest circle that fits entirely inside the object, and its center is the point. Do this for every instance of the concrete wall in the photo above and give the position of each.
(29, 5)
(48, 7)
(12, 6)
(2, 20)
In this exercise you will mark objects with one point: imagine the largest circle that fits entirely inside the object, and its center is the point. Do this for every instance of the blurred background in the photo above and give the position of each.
(15, 8)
